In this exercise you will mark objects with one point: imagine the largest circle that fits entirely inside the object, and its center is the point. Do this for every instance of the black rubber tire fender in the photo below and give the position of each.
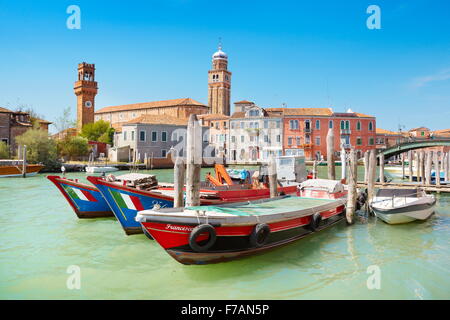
(260, 235)
(315, 221)
(198, 230)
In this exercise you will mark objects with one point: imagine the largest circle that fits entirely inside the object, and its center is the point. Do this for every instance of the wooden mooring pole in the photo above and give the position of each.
(343, 165)
(445, 161)
(381, 173)
(273, 180)
(428, 159)
(437, 169)
(314, 169)
(178, 180)
(330, 155)
(402, 157)
(24, 163)
(352, 184)
(410, 165)
(366, 166)
(193, 162)
(371, 176)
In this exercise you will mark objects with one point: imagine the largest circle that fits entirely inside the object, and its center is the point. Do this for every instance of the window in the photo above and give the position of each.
(330, 124)
(242, 125)
(370, 126)
(254, 113)
(141, 135)
(307, 125)
(342, 125)
(278, 138)
(224, 124)
(174, 136)
(266, 124)
(242, 139)
(266, 138)
(132, 135)
(307, 139)
(212, 124)
(358, 125)
(124, 136)
(293, 124)
(164, 136)
(163, 153)
(154, 136)
(317, 124)
(290, 141)
(233, 125)
(233, 139)
(298, 141)
(278, 122)
(317, 141)
(371, 141)
(359, 141)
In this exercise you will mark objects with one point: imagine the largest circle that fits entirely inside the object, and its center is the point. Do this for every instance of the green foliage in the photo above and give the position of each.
(40, 148)
(107, 137)
(93, 131)
(73, 147)
(4, 150)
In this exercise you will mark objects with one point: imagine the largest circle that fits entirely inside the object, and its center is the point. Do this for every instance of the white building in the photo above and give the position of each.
(255, 134)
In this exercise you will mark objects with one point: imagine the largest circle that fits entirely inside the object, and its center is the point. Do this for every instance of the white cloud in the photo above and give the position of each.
(440, 76)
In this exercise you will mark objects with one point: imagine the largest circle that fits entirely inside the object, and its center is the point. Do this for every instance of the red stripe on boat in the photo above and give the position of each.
(89, 195)
(137, 203)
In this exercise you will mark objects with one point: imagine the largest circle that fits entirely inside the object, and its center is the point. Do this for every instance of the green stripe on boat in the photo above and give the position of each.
(118, 197)
(70, 191)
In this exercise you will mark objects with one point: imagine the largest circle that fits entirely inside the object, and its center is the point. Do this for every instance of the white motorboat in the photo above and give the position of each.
(396, 206)
(100, 169)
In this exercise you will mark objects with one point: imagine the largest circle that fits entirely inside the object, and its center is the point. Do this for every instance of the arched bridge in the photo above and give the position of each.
(412, 145)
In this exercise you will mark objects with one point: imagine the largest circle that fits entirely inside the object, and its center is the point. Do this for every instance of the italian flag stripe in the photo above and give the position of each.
(127, 201)
(88, 195)
(75, 193)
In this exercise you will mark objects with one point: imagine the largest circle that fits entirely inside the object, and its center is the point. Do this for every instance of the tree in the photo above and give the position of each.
(107, 137)
(4, 150)
(65, 121)
(73, 147)
(93, 131)
(40, 148)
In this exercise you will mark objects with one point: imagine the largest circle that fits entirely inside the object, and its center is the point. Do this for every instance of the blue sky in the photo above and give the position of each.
(301, 53)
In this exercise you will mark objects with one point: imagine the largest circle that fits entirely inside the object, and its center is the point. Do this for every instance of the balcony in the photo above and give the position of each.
(308, 130)
(306, 146)
(346, 131)
(346, 146)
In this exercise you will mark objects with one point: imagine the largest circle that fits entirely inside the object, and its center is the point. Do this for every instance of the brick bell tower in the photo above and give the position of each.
(219, 84)
(85, 89)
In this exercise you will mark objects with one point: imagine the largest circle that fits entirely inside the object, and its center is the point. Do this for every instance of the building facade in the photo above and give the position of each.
(219, 84)
(255, 135)
(219, 130)
(85, 89)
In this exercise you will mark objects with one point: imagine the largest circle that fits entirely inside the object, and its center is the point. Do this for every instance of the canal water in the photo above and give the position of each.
(40, 238)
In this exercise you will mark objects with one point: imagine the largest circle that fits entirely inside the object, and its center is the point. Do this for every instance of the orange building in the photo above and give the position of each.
(307, 128)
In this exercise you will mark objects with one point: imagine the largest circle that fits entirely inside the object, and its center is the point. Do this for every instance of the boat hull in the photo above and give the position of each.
(125, 202)
(16, 171)
(232, 241)
(420, 212)
(85, 200)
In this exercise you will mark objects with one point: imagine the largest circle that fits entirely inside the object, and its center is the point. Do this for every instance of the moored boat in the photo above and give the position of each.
(125, 200)
(14, 168)
(395, 206)
(211, 234)
(85, 200)
(100, 169)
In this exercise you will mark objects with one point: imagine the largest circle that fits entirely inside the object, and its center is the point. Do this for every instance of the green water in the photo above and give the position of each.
(41, 237)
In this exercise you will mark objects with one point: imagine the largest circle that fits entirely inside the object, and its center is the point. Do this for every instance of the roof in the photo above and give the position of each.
(443, 132)
(303, 111)
(243, 102)
(362, 115)
(419, 128)
(158, 119)
(152, 104)
(5, 110)
(238, 115)
(383, 131)
(43, 121)
(213, 116)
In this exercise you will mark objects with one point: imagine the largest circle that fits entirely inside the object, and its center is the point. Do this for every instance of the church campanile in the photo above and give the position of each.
(219, 84)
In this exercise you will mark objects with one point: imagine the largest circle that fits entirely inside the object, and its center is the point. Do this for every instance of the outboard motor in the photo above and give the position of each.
(361, 200)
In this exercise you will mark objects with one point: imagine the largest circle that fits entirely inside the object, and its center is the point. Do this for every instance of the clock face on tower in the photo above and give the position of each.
(88, 104)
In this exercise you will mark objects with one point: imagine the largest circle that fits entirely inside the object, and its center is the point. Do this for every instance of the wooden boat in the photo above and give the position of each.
(125, 201)
(13, 168)
(217, 233)
(396, 206)
(85, 200)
